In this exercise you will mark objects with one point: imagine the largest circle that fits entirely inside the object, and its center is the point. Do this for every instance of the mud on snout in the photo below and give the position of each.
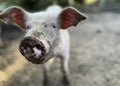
(32, 49)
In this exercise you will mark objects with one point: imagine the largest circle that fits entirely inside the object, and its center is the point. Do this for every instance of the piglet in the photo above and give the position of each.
(46, 34)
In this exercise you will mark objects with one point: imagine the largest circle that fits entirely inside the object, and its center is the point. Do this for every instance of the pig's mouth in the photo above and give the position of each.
(33, 50)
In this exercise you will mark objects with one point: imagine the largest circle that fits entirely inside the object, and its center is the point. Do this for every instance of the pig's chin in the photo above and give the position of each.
(35, 60)
(33, 50)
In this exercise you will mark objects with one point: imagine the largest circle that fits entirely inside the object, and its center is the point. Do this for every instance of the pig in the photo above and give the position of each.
(46, 35)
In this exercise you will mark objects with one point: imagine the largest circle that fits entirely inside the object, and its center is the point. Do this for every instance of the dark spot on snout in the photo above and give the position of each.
(26, 49)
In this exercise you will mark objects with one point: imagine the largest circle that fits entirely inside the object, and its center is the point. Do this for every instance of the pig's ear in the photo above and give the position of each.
(15, 15)
(70, 17)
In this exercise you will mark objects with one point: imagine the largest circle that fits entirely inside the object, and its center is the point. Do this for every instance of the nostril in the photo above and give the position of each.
(28, 50)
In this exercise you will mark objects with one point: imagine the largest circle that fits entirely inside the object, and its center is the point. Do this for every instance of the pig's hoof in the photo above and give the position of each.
(66, 81)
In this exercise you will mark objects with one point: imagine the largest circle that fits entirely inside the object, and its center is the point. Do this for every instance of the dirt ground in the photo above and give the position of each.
(94, 57)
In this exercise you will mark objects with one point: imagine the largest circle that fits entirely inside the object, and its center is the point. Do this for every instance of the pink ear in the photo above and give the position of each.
(70, 17)
(14, 15)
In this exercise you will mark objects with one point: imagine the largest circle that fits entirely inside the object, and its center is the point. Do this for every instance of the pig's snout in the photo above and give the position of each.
(32, 49)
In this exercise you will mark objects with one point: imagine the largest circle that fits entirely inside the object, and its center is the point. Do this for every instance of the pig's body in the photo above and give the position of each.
(64, 43)
(46, 35)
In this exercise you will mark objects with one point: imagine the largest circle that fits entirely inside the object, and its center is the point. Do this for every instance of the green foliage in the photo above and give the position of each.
(62, 2)
(35, 5)
(117, 1)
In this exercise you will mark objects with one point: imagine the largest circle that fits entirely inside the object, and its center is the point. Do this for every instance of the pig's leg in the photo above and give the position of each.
(46, 68)
(45, 74)
(64, 66)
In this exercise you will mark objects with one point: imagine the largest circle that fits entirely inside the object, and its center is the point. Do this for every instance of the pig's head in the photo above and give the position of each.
(42, 29)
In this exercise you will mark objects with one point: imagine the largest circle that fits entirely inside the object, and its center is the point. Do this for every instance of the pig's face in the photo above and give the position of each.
(42, 29)
(41, 38)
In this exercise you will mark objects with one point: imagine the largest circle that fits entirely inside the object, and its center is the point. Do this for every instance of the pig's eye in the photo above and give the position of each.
(53, 26)
(27, 27)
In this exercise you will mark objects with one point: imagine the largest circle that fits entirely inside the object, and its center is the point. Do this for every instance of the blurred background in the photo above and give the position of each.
(95, 46)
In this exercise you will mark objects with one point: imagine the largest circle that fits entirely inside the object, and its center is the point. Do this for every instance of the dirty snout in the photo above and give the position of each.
(32, 49)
